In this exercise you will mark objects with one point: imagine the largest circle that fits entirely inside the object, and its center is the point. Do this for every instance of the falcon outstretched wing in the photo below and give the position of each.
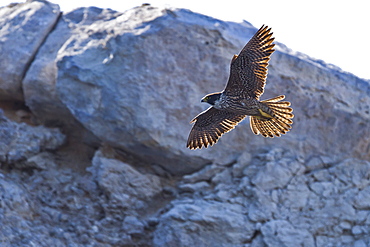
(210, 125)
(248, 70)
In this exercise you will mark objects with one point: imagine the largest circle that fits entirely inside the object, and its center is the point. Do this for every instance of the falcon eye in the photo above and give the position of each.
(206, 99)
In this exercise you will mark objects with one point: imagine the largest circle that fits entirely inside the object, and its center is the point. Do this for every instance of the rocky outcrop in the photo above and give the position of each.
(21, 142)
(24, 28)
(154, 101)
(40, 81)
(103, 159)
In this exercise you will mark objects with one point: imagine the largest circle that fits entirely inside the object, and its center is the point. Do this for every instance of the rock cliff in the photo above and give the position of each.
(96, 110)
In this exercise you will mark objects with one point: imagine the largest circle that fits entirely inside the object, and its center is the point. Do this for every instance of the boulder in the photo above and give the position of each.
(125, 187)
(136, 80)
(204, 223)
(280, 233)
(40, 80)
(20, 142)
(24, 28)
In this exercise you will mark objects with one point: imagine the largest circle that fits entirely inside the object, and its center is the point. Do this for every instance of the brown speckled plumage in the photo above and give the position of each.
(248, 72)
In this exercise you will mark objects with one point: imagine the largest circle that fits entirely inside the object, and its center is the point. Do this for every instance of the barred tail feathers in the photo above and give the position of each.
(279, 123)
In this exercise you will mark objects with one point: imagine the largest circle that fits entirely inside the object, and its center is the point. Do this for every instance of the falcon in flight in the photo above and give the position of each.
(248, 72)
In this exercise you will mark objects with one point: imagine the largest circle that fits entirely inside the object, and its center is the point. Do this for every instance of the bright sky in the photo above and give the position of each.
(335, 31)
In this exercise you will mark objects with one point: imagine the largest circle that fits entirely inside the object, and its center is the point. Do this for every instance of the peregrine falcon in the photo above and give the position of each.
(248, 72)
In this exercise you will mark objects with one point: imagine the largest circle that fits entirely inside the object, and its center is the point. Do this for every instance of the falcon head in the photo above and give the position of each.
(211, 98)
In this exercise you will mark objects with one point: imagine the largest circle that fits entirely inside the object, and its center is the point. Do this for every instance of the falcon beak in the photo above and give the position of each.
(205, 99)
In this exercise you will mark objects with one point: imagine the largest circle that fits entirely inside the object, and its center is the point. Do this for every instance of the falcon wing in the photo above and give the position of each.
(248, 70)
(210, 125)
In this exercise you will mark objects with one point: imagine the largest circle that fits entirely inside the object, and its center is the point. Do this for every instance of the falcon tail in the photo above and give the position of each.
(279, 123)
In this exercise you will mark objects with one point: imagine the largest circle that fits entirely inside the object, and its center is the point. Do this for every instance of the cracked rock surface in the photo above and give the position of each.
(95, 114)
(23, 27)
